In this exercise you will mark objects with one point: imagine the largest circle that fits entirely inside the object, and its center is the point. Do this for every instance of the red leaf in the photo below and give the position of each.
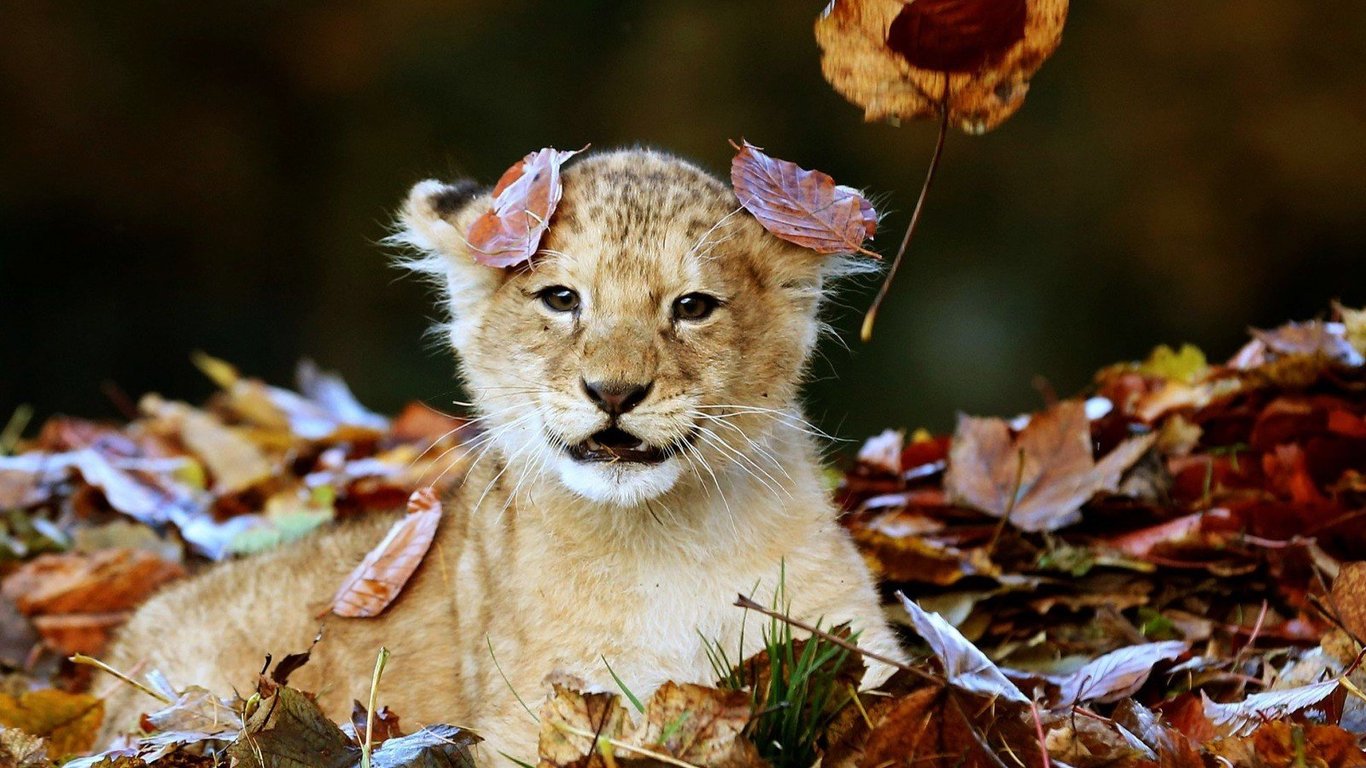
(523, 202)
(800, 206)
(380, 577)
(957, 35)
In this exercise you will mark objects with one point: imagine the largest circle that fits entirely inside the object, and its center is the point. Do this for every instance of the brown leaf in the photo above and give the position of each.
(1349, 597)
(523, 202)
(380, 577)
(800, 206)
(699, 725)
(894, 58)
(103, 581)
(930, 729)
(1058, 476)
(385, 723)
(571, 722)
(1283, 743)
(20, 750)
(68, 721)
(72, 633)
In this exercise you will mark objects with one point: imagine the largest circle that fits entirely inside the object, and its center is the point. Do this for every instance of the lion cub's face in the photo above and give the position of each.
(654, 342)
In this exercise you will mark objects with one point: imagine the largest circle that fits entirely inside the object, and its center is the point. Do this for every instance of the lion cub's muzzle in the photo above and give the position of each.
(615, 444)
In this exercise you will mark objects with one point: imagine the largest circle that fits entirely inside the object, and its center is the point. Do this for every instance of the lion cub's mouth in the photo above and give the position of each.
(613, 444)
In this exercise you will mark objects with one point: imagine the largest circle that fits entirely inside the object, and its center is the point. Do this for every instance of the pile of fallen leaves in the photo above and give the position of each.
(1165, 573)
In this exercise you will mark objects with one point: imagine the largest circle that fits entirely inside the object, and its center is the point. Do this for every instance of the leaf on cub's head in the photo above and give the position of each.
(800, 206)
(895, 59)
(380, 577)
(524, 199)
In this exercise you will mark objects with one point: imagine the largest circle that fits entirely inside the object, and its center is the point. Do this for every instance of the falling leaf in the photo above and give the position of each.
(965, 666)
(380, 577)
(67, 721)
(523, 202)
(800, 206)
(894, 58)
(1117, 674)
(1058, 473)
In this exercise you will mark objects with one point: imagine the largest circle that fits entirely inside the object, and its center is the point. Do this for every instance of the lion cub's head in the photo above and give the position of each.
(656, 340)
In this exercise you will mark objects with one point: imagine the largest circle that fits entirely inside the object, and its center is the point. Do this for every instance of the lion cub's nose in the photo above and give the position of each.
(615, 397)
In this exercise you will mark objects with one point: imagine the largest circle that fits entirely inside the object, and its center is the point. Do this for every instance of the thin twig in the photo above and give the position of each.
(866, 332)
(619, 744)
(380, 662)
(744, 602)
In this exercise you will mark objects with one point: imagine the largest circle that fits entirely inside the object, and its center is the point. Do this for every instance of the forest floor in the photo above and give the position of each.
(1166, 572)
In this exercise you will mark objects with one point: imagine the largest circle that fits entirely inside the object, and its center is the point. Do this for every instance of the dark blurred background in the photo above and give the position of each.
(216, 175)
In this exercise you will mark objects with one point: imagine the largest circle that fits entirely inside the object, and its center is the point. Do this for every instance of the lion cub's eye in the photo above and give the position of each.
(694, 306)
(559, 298)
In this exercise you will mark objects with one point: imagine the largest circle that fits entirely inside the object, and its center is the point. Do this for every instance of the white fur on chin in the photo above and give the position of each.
(622, 484)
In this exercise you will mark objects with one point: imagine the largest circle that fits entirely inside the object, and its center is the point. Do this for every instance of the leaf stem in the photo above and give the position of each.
(380, 662)
(90, 661)
(866, 333)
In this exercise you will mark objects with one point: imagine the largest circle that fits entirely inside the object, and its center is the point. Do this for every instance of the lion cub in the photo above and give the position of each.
(644, 459)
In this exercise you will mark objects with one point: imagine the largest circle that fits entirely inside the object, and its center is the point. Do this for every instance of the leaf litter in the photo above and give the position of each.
(1167, 572)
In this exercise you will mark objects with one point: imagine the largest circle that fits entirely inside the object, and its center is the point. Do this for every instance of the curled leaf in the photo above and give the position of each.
(380, 577)
(800, 206)
(902, 60)
(523, 202)
(965, 666)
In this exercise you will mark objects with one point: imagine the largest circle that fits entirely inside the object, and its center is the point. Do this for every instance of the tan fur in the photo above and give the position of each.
(551, 565)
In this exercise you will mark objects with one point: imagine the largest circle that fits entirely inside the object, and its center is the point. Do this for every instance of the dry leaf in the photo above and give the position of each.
(570, 723)
(1242, 717)
(235, 462)
(380, 577)
(1058, 476)
(1117, 674)
(893, 58)
(800, 206)
(108, 580)
(1282, 743)
(523, 202)
(1348, 597)
(68, 721)
(20, 750)
(698, 725)
(965, 666)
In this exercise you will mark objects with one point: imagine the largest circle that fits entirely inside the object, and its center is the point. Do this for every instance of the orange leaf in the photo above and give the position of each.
(895, 59)
(380, 577)
(800, 206)
(523, 202)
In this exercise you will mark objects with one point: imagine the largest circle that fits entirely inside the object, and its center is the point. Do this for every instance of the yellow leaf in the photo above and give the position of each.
(67, 720)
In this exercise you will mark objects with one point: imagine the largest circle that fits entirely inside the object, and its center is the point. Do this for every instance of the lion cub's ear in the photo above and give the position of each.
(433, 223)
